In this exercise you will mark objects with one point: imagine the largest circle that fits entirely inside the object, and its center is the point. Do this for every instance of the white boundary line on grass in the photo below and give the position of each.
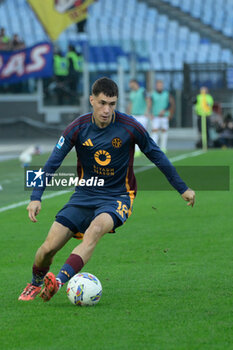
(20, 204)
(47, 196)
(173, 160)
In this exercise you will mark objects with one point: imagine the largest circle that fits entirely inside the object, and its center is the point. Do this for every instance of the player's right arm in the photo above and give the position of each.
(189, 196)
(62, 148)
(33, 209)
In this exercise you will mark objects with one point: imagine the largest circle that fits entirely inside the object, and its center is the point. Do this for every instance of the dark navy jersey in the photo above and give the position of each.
(108, 153)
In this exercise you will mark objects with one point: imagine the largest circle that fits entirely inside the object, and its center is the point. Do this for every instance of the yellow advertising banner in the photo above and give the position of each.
(57, 15)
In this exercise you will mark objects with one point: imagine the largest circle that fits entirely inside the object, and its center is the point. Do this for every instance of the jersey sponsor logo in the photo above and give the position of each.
(103, 171)
(88, 143)
(116, 142)
(102, 157)
(60, 142)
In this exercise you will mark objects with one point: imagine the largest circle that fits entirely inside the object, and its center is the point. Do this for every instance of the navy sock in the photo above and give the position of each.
(72, 266)
(38, 274)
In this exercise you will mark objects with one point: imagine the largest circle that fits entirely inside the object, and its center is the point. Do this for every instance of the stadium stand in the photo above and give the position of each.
(152, 38)
(163, 43)
(215, 13)
(143, 36)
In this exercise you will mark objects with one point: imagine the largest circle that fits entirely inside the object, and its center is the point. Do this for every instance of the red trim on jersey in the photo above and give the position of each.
(130, 173)
(80, 120)
(74, 136)
(81, 117)
(76, 133)
(131, 122)
(131, 119)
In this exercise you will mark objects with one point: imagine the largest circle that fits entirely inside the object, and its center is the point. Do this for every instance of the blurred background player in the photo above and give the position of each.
(204, 108)
(138, 106)
(162, 106)
(75, 67)
(26, 156)
(61, 71)
(225, 133)
(16, 43)
(4, 40)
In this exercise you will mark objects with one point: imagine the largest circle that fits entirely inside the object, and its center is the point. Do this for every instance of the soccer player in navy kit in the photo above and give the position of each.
(104, 141)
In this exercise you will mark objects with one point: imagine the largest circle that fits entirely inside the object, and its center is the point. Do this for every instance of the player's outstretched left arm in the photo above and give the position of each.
(189, 196)
(33, 209)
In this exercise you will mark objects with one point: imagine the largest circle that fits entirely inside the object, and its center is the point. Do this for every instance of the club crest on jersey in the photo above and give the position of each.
(116, 142)
(60, 142)
(102, 157)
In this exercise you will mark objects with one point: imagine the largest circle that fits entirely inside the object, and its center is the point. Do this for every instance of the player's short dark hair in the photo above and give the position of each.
(106, 86)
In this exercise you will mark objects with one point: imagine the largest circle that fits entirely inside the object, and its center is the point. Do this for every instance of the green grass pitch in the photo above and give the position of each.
(166, 274)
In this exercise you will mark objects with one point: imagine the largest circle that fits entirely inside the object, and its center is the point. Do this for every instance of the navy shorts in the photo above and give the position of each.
(78, 218)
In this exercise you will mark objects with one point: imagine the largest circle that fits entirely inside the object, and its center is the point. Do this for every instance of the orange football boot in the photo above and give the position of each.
(30, 292)
(51, 286)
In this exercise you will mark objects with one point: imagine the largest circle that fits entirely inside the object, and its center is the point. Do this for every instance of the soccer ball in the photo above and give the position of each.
(84, 289)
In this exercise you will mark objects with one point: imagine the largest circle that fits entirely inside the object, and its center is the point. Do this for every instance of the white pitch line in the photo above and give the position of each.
(20, 204)
(55, 194)
(187, 155)
(173, 160)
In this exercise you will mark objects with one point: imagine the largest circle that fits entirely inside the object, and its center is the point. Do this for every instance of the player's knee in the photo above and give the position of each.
(89, 243)
(97, 229)
(93, 234)
(47, 250)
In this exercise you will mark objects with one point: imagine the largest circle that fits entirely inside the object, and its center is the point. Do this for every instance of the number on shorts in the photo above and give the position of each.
(122, 209)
